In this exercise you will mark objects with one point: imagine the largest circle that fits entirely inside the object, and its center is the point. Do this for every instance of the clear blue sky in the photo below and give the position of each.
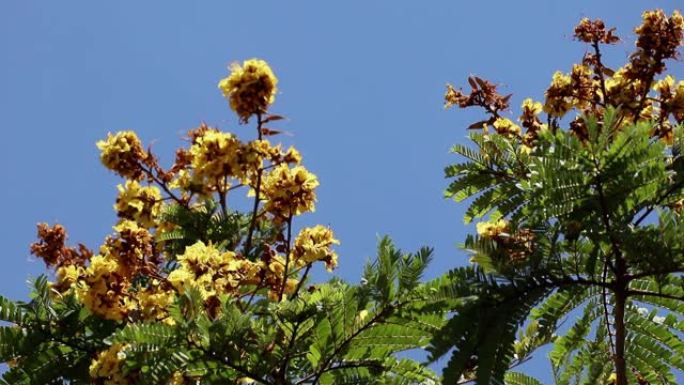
(361, 83)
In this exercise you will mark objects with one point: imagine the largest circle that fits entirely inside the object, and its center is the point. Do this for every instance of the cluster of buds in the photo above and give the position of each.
(51, 248)
(482, 94)
(594, 32)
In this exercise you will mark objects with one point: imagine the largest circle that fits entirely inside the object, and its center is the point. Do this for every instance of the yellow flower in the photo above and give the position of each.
(152, 302)
(671, 96)
(289, 191)
(454, 97)
(211, 271)
(214, 157)
(177, 379)
(141, 204)
(559, 95)
(622, 88)
(530, 107)
(123, 153)
(103, 287)
(676, 104)
(313, 244)
(68, 275)
(292, 156)
(107, 366)
(491, 229)
(665, 85)
(250, 159)
(181, 279)
(129, 247)
(249, 88)
(506, 127)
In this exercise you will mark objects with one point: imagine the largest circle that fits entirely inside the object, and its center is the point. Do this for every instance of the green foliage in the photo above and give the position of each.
(595, 267)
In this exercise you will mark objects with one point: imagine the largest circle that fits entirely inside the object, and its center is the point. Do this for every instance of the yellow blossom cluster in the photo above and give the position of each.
(671, 97)
(215, 158)
(530, 120)
(141, 204)
(659, 34)
(177, 379)
(568, 91)
(67, 276)
(212, 272)
(104, 286)
(123, 153)
(289, 191)
(504, 126)
(129, 247)
(492, 229)
(273, 272)
(559, 95)
(152, 302)
(530, 109)
(621, 88)
(102, 289)
(313, 244)
(515, 244)
(106, 368)
(250, 88)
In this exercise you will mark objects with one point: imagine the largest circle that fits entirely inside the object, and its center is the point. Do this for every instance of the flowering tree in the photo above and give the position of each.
(584, 226)
(187, 290)
(585, 218)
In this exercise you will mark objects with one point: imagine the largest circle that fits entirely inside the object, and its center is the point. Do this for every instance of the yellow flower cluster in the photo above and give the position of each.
(568, 91)
(530, 120)
(213, 159)
(216, 156)
(659, 34)
(249, 88)
(530, 109)
(212, 272)
(558, 100)
(123, 153)
(289, 191)
(67, 276)
(671, 97)
(313, 244)
(177, 379)
(506, 127)
(106, 368)
(130, 247)
(103, 287)
(492, 229)
(139, 203)
(273, 272)
(152, 302)
(623, 88)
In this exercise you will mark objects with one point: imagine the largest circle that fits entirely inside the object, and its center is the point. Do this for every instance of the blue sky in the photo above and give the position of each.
(361, 83)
